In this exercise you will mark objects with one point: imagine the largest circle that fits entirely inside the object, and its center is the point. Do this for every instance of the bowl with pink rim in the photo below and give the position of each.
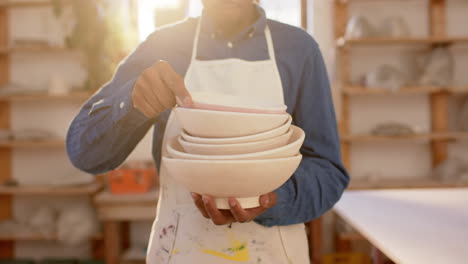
(219, 101)
(291, 148)
(245, 180)
(220, 124)
(235, 140)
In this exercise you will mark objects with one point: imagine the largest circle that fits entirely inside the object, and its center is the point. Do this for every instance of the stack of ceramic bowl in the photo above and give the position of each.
(234, 154)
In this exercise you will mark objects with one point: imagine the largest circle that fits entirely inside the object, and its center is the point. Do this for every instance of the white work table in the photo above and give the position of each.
(427, 226)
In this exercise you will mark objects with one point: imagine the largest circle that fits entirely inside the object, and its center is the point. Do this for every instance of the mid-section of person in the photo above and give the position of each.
(271, 58)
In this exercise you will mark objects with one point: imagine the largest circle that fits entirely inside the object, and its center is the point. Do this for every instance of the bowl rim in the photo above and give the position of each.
(187, 134)
(237, 156)
(298, 156)
(225, 113)
(289, 133)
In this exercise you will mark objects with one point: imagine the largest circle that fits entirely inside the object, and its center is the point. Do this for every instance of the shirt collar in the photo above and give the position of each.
(208, 27)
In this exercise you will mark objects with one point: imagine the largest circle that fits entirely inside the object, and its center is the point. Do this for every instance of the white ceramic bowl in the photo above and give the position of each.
(220, 124)
(245, 180)
(236, 149)
(175, 150)
(236, 140)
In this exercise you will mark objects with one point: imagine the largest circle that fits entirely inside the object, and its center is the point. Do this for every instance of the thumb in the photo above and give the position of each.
(268, 200)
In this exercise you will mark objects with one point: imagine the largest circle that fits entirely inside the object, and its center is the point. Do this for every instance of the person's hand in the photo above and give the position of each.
(207, 206)
(158, 88)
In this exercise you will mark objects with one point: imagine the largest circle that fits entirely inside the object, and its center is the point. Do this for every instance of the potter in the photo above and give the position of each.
(232, 49)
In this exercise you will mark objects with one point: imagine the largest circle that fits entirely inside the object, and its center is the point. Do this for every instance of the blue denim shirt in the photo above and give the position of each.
(108, 127)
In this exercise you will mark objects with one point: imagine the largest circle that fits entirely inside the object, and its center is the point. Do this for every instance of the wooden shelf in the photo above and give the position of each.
(342, 42)
(360, 90)
(133, 256)
(127, 207)
(458, 136)
(33, 144)
(52, 190)
(410, 90)
(36, 49)
(450, 136)
(27, 3)
(45, 97)
(404, 184)
(372, 138)
(35, 237)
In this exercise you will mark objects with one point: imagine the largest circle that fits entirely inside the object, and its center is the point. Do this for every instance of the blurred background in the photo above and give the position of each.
(398, 78)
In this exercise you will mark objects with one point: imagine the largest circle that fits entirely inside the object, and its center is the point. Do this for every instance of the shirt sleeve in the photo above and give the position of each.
(108, 127)
(321, 178)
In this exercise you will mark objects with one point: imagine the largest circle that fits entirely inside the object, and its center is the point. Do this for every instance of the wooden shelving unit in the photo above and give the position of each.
(35, 237)
(81, 96)
(26, 3)
(360, 90)
(87, 189)
(432, 40)
(7, 240)
(54, 143)
(439, 97)
(416, 138)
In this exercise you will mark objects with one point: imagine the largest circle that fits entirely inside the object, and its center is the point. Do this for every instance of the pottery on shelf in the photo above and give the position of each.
(359, 27)
(235, 140)
(245, 180)
(220, 124)
(394, 27)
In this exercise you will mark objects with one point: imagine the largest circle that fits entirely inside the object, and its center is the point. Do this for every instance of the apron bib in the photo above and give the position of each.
(180, 234)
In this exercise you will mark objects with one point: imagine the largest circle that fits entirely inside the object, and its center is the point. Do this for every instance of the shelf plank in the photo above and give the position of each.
(33, 144)
(361, 90)
(342, 42)
(127, 207)
(24, 236)
(45, 97)
(372, 138)
(404, 184)
(27, 3)
(32, 49)
(133, 256)
(87, 189)
(449, 136)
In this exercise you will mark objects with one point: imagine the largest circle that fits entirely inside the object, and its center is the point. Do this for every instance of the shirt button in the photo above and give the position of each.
(251, 35)
(122, 104)
(230, 45)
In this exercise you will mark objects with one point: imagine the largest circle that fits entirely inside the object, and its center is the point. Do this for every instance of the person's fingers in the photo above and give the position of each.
(157, 92)
(215, 214)
(238, 212)
(268, 200)
(199, 203)
(175, 82)
(140, 104)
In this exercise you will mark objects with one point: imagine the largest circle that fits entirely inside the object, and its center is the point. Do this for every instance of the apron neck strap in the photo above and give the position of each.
(269, 40)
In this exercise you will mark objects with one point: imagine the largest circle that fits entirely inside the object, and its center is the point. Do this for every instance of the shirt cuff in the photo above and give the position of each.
(123, 110)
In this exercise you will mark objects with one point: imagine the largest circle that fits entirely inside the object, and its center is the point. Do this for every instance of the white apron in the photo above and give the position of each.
(180, 234)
